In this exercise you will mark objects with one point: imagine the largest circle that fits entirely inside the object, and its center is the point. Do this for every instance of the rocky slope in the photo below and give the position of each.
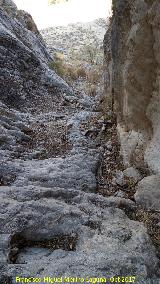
(132, 85)
(53, 221)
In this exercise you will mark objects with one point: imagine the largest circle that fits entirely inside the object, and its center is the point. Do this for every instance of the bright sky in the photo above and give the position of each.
(62, 14)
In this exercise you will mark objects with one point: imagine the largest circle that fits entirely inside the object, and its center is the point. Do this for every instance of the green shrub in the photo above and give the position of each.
(65, 70)
(58, 67)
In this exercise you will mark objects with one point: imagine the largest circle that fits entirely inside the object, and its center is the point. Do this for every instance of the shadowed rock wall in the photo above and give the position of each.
(133, 80)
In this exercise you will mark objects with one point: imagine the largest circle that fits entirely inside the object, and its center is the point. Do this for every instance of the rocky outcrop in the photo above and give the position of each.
(24, 60)
(68, 233)
(134, 80)
(26, 82)
(132, 63)
(148, 192)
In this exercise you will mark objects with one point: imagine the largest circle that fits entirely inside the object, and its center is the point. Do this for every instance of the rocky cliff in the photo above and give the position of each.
(23, 49)
(26, 82)
(133, 64)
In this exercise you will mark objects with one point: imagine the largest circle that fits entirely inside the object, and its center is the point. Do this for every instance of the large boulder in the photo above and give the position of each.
(148, 192)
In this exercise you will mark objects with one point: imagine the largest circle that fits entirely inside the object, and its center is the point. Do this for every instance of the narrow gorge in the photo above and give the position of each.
(80, 147)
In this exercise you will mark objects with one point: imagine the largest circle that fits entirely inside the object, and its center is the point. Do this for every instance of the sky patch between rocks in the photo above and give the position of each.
(62, 14)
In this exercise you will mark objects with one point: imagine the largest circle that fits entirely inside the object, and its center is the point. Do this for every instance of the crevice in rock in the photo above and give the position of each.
(112, 160)
(149, 218)
(7, 180)
(93, 225)
(5, 280)
(19, 243)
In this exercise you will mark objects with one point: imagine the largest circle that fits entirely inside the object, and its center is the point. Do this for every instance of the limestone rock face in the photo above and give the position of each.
(7, 4)
(26, 83)
(24, 59)
(66, 232)
(134, 80)
(148, 192)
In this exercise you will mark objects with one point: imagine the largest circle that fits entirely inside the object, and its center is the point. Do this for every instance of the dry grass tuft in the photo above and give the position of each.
(81, 72)
(93, 76)
(91, 90)
(58, 66)
(67, 71)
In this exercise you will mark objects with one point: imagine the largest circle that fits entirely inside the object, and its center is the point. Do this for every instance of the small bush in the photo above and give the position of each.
(58, 67)
(93, 76)
(87, 53)
(91, 90)
(66, 70)
(71, 72)
(81, 72)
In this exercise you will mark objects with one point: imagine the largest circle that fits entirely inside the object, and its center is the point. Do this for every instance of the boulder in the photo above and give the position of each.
(148, 193)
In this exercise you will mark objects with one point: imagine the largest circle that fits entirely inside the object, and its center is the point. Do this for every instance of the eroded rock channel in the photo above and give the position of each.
(67, 200)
